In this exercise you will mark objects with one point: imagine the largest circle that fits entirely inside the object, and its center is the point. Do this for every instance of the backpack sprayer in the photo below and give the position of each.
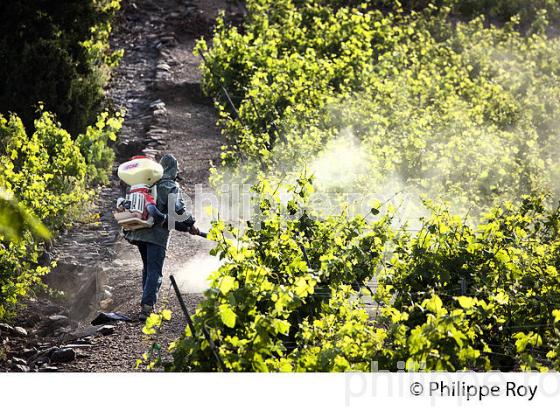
(141, 174)
(139, 208)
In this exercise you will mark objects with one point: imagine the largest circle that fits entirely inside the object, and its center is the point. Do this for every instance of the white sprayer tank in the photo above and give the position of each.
(140, 171)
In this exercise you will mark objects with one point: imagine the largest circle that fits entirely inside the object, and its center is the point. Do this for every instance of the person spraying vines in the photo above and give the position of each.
(152, 197)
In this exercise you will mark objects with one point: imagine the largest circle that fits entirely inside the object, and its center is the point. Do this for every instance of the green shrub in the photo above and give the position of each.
(462, 112)
(449, 298)
(494, 11)
(501, 274)
(94, 145)
(278, 274)
(46, 172)
(15, 220)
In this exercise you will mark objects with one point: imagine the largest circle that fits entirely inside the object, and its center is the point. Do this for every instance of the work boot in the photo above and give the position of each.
(145, 312)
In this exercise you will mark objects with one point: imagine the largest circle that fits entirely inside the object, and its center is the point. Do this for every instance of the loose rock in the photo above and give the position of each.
(106, 330)
(43, 357)
(21, 368)
(59, 318)
(17, 360)
(63, 355)
(4, 327)
(28, 352)
(20, 331)
(48, 369)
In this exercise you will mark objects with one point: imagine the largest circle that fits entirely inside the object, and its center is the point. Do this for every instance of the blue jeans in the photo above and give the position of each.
(152, 271)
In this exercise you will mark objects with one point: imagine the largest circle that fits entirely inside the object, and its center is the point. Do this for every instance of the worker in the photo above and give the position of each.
(152, 242)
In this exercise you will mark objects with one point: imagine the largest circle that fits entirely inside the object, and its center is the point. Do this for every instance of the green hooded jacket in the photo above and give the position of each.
(166, 186)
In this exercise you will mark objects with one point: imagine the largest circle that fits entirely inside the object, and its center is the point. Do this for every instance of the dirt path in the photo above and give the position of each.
(183, 123)
(158, 82)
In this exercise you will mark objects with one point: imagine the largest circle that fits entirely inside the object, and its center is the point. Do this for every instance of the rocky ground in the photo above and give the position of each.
(158, 82)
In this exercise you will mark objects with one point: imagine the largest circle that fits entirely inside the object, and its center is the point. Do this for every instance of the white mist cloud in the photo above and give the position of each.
(341, 164)
(193, 276)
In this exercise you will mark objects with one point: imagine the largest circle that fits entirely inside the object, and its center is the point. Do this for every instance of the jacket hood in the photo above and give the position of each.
(170, 168)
